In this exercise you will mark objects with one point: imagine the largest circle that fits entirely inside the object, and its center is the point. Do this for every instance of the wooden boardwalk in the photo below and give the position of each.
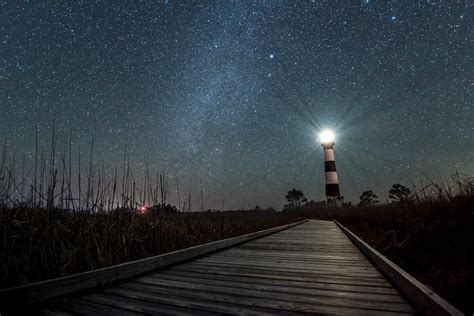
(310, 268)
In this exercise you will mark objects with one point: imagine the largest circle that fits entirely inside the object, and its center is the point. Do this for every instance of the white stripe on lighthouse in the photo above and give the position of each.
(329, 154)
(331, 177)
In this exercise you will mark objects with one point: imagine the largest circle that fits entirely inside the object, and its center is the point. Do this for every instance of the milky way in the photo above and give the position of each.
(235, 92)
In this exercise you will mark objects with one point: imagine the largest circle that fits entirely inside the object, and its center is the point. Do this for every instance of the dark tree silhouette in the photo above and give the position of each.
(168, 208)
(295, 198)
(400, 194)
(368, 198)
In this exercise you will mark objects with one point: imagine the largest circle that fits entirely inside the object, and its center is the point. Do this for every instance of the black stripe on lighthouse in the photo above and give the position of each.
(332, 189)
(329, 166)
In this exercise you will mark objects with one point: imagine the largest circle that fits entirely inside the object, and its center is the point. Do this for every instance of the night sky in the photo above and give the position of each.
(235, 92)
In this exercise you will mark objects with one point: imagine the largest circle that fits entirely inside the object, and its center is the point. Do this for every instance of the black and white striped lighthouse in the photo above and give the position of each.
(332, 181)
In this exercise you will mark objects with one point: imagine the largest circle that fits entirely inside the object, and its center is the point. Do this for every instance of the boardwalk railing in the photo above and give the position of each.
(55, 288)
(421, 297)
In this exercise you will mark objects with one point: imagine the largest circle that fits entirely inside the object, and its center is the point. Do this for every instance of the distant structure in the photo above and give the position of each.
(333, 195)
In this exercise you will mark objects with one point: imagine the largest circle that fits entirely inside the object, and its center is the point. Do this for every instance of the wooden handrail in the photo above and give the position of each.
(424, 300)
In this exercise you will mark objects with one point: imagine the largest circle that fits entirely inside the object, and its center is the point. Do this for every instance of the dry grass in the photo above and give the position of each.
(40, 244)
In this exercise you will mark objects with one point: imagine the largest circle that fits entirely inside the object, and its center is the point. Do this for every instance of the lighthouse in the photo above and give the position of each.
(332, 181)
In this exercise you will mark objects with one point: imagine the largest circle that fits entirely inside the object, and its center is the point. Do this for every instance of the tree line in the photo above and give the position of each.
(398, 194)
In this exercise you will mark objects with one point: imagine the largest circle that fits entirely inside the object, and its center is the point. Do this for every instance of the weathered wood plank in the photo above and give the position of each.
(309, 271)
(84, 307)
(341, 278)
(293, 252)
(198, 306)
(245, 300)
(41, 291)
(132, 305)
(327, 279)
(302, 297)
(283, 288)
(54, 312)
(290, 259)
(301, 266)
(306, 284)
(315, 255)
(425, 300)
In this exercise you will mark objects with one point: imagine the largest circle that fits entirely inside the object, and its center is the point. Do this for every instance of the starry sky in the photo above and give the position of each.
(235, 92)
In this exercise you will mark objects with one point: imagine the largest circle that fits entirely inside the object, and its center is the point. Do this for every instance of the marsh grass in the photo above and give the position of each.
(39, 244)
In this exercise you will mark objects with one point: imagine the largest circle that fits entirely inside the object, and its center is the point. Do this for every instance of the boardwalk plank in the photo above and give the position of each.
(313, 298)
(296, 265)
(283, 288)
(336, 279)
(129, 305)
(347, 271)
(82, 306)
(307, 284)
(263, 301)
(292, 259)
(199, 305)
(54, 312)
(321, 279)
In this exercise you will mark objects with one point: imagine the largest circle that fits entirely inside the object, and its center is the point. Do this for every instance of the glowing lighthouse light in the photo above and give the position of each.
(326, 137)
